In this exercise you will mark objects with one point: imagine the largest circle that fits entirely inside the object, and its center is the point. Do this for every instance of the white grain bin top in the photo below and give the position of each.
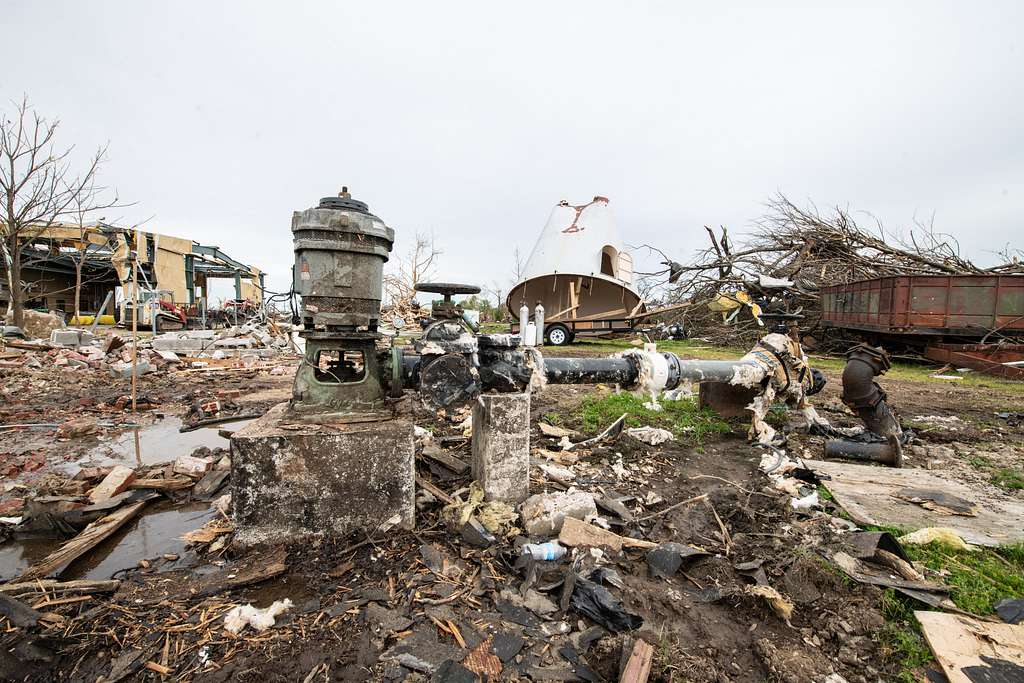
(578, 241)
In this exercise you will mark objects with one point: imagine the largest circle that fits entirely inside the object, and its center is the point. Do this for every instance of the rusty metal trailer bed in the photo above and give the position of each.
(939, 313)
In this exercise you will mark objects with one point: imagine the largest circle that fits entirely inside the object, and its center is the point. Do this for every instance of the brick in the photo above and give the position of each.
(114, 483)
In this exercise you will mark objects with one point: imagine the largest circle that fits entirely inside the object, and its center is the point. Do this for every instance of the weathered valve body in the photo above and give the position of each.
(340, 252)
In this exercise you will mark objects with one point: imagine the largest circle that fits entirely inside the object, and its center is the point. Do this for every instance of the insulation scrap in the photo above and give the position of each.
(780, 605)
(651, 436)
(259, 619)
(937, 534)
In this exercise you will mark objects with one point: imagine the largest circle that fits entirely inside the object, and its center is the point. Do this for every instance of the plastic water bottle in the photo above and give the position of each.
(552, 550)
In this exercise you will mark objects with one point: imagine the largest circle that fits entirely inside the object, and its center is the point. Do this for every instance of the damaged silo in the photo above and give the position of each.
(580, 272)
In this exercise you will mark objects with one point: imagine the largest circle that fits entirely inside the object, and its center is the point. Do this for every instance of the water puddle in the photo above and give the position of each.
(159, 442)
(155, 533)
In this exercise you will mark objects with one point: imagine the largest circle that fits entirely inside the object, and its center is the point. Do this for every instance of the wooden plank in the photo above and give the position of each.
(658, 311)
(437, 454)
(88, 539)
(871, 496)
(162, 483)
(427, 486)
(638, 668)
(63, 587)
(969, 650)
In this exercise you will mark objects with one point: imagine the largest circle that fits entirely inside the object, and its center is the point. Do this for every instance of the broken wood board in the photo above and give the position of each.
(969, 650)
(638, 667)
(872, 495)
(438, 455)
(61, 587)
(579, 533)
(89, 538)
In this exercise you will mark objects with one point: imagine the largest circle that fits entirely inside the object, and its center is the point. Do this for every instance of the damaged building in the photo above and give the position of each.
(177, 269)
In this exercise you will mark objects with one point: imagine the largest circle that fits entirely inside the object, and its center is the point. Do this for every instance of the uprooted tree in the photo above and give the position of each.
(38, 188)
(808, 249)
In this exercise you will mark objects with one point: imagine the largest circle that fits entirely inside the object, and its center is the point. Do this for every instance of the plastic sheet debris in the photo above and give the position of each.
(259, 619)
(595, 602)
(667, 558)
(1011, 611)
(807, 502)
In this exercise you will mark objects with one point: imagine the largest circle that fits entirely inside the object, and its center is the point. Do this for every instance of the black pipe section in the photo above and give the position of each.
(862, 393)
(889, 452)
(624, 371)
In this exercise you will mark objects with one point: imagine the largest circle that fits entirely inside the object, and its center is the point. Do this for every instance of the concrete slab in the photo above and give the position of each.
(501, 446)
(293, 479)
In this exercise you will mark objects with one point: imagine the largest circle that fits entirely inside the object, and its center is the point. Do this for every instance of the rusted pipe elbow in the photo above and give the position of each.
(862, 393)
(863, 364)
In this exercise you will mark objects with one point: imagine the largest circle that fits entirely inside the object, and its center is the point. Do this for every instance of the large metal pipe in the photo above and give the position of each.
(719, 370)
(622, 371)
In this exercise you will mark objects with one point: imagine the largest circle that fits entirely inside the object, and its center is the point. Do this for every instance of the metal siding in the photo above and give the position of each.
(925, 304)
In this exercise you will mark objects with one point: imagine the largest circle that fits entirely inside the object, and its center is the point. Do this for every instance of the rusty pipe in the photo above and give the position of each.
(889, 452)
(862, 394)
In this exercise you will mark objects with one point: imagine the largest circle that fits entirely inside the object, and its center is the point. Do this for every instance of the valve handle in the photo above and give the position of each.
(448, 289)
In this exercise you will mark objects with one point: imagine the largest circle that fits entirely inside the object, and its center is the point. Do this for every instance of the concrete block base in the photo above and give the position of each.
(290, 479)
(728, 400)
(501, 446)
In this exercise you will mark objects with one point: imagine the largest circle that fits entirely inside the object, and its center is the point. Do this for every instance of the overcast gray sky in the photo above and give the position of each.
(472, 119)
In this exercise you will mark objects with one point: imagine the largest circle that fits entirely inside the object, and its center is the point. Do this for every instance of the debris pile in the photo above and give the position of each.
(790, 255)
(79, 350)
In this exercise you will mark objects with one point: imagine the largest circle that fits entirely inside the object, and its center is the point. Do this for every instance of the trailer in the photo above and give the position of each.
(564, 330)
(950, 317)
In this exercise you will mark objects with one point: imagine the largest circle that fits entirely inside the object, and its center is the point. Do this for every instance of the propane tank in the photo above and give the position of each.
(524, 318)
(531, 335)
(538, 316)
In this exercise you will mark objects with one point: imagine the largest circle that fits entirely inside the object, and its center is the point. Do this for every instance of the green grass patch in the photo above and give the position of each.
(683, 418)
(554, 418)
(980, 462)
(979, 579)
(1008, 478)
(900, 640)
(1004, 477)
(493, 328)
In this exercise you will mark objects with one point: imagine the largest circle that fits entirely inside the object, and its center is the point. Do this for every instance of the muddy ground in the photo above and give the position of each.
(366, 604)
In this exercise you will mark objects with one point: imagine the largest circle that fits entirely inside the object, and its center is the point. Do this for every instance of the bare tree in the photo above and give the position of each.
(497, 290)
(37, 189)
(419, 264)
(518, 265)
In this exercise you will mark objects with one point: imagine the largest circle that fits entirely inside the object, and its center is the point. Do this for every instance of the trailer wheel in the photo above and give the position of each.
(557, 335)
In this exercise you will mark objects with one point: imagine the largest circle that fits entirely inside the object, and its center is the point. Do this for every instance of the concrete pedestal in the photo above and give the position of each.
(289, 479)
(501, 446)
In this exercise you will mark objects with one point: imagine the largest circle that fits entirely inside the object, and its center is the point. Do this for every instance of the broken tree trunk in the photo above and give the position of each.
(90, 537)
